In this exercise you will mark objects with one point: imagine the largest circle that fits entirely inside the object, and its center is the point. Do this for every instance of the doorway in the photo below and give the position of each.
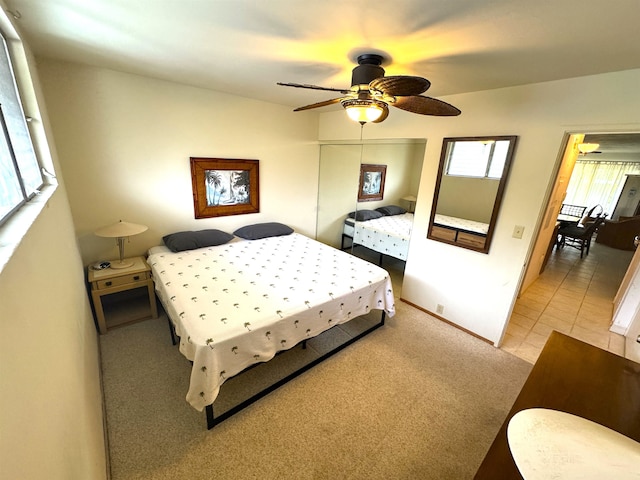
(560, 290)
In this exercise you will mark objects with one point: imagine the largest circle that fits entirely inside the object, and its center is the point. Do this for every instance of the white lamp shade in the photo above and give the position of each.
(364, 113)
(121, 229)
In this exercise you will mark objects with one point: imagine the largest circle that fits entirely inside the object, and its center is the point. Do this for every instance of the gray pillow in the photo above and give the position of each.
(263, 230)
(391, 210)
(364, 215)
(180, 241)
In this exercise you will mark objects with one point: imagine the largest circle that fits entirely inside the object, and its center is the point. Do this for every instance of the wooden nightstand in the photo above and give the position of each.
(111, 280)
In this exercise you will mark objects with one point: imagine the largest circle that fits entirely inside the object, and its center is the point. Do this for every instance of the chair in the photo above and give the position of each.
(572, 210)
(578, 236)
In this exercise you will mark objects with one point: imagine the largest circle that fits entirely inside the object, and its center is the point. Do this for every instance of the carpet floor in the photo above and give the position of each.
(415, 399)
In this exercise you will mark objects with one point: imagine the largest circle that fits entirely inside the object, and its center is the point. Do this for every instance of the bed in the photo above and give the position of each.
(239, 303)
(386, 234)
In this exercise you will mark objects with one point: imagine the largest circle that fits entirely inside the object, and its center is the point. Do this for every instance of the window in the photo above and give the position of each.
(477, 158)
(598, 183)
(20, 177)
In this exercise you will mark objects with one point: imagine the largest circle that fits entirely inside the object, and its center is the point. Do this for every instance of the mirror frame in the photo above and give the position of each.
(497, 202)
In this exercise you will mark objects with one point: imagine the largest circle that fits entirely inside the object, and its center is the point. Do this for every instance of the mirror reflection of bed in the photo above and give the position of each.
(339, 182)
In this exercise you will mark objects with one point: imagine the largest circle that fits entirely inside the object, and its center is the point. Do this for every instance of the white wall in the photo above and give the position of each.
(50, 400)
(478, 290)
(125, 142)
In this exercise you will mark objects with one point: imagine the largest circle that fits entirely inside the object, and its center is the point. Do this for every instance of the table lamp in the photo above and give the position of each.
(120, 231)
(412, 200)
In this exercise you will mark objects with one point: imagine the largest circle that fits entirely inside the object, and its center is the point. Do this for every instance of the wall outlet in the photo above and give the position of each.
(439, 309)
(518, 230)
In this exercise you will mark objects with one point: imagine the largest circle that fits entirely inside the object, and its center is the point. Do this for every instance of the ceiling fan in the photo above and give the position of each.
(371, 93)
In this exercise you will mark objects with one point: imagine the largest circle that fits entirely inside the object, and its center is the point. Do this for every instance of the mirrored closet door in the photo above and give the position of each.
(363, 178)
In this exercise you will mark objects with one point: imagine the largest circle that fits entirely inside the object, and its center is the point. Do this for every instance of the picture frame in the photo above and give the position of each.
(371, 182)
(224, 186)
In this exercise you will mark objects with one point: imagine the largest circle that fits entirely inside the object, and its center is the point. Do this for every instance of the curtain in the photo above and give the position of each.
(598, 183)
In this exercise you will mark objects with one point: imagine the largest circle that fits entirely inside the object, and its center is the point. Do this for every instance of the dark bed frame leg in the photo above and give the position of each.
(212, 421)
(171, 331)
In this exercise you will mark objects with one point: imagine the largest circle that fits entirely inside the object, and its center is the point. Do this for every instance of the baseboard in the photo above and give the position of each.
(448, 322)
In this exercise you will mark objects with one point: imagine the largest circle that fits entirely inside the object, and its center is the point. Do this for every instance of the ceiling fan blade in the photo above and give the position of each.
(383, 117)
(401, 85)
(319, 104)
(426, 106)
(313, 87)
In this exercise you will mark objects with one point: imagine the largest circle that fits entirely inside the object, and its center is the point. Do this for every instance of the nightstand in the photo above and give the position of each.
(111, 280)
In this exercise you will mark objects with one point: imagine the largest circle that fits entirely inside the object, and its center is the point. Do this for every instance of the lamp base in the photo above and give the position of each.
(121, 264)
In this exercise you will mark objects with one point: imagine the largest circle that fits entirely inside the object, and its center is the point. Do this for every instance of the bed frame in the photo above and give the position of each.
(212, 420)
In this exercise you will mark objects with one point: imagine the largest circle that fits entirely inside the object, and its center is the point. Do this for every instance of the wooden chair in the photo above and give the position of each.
(578, 236)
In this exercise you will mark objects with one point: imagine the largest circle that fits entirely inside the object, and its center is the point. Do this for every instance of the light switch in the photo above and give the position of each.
(518, 230)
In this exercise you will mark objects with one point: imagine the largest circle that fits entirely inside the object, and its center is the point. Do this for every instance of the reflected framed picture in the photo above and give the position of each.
(371, 182)
(223, 186)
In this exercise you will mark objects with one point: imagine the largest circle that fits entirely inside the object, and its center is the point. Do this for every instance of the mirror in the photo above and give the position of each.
(471, 179)
(362, 177)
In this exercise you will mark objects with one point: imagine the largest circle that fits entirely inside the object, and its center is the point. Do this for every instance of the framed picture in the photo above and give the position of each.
(223, 186)
(371, 182)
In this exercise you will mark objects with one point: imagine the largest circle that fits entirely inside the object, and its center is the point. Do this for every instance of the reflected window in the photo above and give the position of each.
(477, 158)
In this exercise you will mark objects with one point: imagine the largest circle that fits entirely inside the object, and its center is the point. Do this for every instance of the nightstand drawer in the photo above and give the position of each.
(123, 280)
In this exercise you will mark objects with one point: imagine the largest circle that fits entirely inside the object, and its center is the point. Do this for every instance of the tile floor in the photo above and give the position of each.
(573, 296)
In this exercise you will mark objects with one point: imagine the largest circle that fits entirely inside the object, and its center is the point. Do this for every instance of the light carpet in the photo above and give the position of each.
(415, 399)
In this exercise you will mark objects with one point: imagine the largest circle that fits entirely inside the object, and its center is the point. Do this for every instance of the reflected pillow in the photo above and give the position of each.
(263, 230)
(391, 210)
(181, 241)
(364, 215)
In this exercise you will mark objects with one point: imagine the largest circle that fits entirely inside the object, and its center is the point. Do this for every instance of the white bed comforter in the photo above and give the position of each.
(238, 304)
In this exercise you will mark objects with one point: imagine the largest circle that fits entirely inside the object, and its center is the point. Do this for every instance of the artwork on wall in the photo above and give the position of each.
(223, 186)
(371, 182)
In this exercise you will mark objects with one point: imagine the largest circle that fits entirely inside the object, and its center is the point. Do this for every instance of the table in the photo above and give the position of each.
(577, 378)
(562, 218)
(109, 281)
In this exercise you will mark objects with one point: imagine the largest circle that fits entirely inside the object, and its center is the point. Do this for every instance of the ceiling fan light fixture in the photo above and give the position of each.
(363, 110)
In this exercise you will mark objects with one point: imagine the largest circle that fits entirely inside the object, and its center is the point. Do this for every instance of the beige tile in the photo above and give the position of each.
(522, 321)
(536, 339)
(526, 311)
(596, 313)
(568, 305)
(517, 331)
(598, 302)
(597, 324)
(573, 296)
(510, 343)
(542, 329)
(528, 352)
(556, 323)
(600, 340)
(576, 291)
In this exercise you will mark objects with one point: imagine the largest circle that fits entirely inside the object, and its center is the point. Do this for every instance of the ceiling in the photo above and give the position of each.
(244, 47)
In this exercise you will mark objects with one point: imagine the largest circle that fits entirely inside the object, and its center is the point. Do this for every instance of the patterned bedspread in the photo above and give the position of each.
(389, 234)
(240, 303)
